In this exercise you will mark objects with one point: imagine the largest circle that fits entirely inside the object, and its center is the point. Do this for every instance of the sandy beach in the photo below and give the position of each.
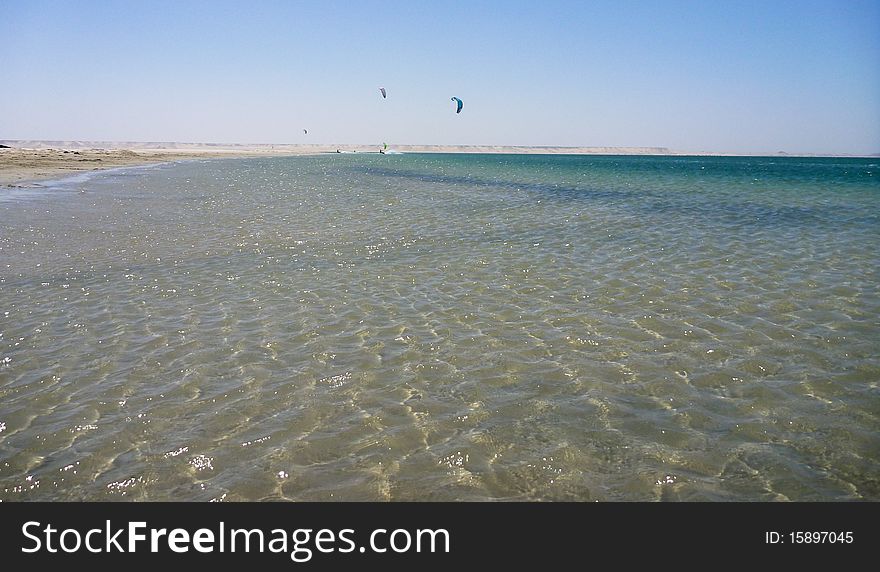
(26, 163)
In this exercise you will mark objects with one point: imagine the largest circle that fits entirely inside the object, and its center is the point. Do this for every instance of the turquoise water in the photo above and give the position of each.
(444, 327)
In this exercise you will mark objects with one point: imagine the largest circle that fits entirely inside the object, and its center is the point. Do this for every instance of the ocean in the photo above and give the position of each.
(444, 327)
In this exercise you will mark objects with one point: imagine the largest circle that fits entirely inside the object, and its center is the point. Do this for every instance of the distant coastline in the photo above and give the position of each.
(25, 162)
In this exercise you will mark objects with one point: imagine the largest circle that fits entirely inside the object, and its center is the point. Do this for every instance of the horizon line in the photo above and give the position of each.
(435, 147)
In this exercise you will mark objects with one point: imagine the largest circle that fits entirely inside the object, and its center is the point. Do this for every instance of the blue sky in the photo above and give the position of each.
(736, 76)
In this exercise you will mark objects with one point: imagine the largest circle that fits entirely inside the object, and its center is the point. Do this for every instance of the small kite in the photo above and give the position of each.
(384, 95)
(458, 104)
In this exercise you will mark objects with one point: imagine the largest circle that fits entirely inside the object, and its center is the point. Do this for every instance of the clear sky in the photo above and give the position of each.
(734, 76)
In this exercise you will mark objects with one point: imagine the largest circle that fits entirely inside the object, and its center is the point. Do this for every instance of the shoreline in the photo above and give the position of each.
(28, 166)
(26, 163)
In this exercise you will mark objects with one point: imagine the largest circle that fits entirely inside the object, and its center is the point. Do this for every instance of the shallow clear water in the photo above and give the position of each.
(444, 327)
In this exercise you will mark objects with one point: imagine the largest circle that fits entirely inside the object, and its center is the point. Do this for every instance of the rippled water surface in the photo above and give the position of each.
(444, 327)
